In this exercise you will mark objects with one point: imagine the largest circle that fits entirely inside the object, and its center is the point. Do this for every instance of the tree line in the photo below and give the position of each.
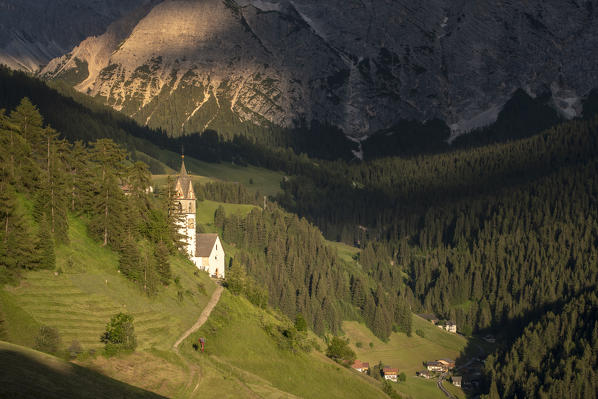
(300, 273)
(96, 182)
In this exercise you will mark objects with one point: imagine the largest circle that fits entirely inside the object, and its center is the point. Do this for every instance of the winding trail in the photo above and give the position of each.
(442, 388)
(202, 317)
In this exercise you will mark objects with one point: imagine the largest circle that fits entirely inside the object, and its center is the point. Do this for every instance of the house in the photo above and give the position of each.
(436, 366)
(449, 326)
(360, 366)
(204, 250)
(429, 317)
(457, 381)
(448, 363)
(390, 373)
(209, 255)
(424, 374)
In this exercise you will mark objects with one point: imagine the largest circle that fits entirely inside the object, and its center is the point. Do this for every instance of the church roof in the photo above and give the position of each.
(184, 182)
(204, 244)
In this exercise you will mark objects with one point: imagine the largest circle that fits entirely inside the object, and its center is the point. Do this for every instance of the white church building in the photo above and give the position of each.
(204, 250)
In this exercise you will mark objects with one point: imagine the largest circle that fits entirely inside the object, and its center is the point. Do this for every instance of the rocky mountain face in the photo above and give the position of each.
(32, 32)
(189, 65)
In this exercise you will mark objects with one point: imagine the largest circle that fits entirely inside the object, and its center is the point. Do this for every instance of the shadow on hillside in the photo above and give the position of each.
(24, 375)
(470, 364)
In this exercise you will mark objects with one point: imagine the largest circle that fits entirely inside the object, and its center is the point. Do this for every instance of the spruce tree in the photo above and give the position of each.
(109, 205)
(46, 258)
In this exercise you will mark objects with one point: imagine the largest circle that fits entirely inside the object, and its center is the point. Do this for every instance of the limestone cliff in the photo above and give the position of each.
(188, 65)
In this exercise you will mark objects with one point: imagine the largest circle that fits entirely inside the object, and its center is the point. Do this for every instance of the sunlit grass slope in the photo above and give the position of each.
(254, 178)
(407, 353)
(206, 209)
(87, 290)
(26, 373)
(238, 345)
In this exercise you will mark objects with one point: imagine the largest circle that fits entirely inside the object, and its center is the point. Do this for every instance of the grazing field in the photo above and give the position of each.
(206, 209)
(345, 252)
(265, 181)
(33, 374)
(407, 353)
(86, 290)
(237, 344)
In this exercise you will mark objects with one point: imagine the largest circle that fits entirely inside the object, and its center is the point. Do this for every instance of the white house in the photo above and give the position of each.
(449, 326)
(209, 254)
(390, 373)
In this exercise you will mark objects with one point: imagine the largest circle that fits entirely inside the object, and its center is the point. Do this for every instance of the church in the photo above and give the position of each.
(204, 250)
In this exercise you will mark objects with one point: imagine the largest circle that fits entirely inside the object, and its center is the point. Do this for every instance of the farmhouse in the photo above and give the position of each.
(449, 326)
(457, 381)
(436, 366)
(390, 373)
(360, 366)
(448, 363)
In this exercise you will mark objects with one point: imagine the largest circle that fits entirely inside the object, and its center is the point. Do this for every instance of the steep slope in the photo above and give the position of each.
(35, 374)
(229, 65)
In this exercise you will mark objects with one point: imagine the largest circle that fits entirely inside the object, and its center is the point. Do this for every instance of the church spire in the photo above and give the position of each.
(183, 169)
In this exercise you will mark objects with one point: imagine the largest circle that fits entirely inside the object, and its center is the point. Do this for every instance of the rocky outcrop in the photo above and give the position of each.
(32, 32)
(188, 65)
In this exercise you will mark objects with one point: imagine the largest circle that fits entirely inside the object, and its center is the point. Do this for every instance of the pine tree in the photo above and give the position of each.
(16, 239)
(46, 258)
(170, 206)
(109, 210)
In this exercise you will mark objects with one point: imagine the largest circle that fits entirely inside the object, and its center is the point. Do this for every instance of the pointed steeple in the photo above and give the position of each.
(184, 183)
(183, 169)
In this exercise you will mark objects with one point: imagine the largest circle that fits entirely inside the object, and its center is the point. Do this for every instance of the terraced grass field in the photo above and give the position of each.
(81, 298)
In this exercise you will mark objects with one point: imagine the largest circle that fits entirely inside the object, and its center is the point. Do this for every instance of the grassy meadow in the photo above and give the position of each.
(238, 345)
(254, 178)
(407, 353)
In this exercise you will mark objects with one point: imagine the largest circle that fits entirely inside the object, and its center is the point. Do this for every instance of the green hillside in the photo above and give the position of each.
(408, 354)
(86, 290)
(254, 178)
(238, 344)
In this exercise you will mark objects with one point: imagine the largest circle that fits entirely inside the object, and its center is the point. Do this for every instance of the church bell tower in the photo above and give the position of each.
(185, 199)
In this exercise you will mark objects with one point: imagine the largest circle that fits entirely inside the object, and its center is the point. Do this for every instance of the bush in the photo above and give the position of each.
(420, 333)
(339, 351)
(47, 340)
(403, 377)
(300, 323)
(371, 345)
(358, 344)
(120, 334)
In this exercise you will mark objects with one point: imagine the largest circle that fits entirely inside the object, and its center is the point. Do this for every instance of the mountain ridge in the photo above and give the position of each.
(361, 67)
